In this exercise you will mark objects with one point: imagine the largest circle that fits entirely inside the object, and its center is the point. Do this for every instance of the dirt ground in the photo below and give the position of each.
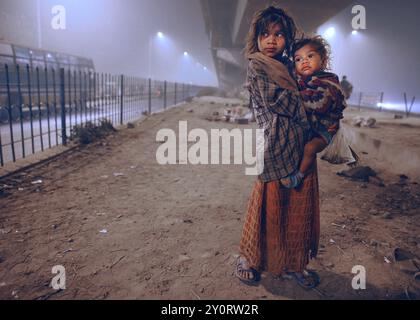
(172, 232)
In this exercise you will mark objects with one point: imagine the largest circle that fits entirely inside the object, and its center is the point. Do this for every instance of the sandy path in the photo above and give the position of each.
(173, 231)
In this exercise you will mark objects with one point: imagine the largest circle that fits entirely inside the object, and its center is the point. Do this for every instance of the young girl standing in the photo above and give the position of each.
(281, 230)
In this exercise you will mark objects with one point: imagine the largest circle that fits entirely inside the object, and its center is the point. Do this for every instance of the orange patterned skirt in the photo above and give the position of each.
(281, 229)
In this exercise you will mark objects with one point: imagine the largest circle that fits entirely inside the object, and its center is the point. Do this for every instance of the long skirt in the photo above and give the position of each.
(281, 229)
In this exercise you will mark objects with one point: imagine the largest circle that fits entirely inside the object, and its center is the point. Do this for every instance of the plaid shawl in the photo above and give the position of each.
(280, 113)
(324, 103)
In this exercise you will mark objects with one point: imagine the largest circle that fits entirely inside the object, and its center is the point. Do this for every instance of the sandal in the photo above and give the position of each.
(307, 279)
(242, 270)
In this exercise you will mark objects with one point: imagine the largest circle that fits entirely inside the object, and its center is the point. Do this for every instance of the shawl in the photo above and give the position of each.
(276, 70)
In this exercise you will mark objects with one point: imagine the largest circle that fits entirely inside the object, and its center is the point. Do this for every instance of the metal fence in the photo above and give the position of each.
(40, 107)
(375, 100)
(366, 99)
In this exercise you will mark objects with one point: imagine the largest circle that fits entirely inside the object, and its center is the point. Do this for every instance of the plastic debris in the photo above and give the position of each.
(37, 182)
(118, 174)
(103, 231)
(362, 122)
(343, 226)
(369, 122)
(183, 258)
(206, 255)
(357, 121)
(387, 260)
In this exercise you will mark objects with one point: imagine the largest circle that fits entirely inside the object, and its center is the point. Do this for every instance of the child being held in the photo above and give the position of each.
(322, 97)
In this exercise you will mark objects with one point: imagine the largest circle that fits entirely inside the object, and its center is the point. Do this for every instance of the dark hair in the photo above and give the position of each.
(262, 20)
(320, 45)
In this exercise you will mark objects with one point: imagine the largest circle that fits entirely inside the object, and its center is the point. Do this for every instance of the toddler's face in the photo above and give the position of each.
(308, 61)
(272, 42)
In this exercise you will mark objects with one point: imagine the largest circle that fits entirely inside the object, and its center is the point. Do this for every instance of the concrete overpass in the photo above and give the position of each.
(227, 23)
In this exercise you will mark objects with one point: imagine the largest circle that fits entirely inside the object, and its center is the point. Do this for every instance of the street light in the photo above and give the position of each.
(330, 32)
(161, 36)
(187, 61)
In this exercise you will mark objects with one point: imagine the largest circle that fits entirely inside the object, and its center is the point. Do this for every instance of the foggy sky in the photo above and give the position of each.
(117, 34)
(385, 56)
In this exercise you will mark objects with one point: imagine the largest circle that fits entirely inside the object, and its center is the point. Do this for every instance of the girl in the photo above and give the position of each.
(323, 98)
(281, 230)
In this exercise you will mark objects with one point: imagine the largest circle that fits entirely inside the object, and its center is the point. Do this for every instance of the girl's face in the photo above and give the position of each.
(308, 61)
(272, 42)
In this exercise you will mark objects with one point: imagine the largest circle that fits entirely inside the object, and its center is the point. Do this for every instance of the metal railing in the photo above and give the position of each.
(375, 100)
(40, 107)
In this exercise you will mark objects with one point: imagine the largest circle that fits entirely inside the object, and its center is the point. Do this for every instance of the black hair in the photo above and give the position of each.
(319, 44)
(260, 23)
